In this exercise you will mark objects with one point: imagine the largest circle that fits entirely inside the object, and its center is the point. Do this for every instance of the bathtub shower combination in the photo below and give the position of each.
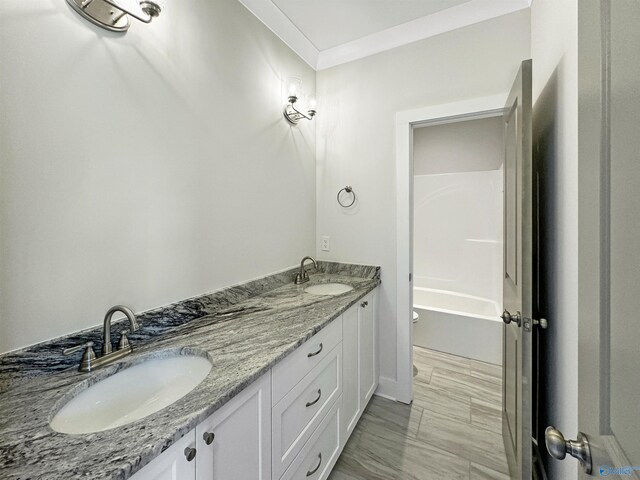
(458, 263)
(457, 323)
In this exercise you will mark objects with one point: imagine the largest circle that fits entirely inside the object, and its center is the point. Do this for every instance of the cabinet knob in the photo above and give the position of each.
(364, 304)
(208, 437)
(190, 453)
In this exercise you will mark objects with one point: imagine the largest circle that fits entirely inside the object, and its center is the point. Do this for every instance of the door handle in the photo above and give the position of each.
(508, 318)
(558, 447)
(543, 323)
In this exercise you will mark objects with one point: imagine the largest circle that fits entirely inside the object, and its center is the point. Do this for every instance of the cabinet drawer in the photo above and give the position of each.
(321, 452)
(292, 369)
(299, 413)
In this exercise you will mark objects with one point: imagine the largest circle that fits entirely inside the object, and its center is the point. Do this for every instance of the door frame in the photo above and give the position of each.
(406, 121)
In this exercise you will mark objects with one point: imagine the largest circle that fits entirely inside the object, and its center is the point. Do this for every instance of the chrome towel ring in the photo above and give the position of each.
(347, 189)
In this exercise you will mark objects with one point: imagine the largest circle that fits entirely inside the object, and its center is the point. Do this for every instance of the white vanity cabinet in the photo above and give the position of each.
(360, 360)
(291, 423)
(233, 443)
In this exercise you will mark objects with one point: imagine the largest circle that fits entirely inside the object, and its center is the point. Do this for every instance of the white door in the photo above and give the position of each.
(178, 462)
(608, 362)
(235, 442)
(517, 280)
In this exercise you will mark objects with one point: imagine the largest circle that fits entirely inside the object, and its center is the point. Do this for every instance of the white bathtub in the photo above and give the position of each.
(459, 324)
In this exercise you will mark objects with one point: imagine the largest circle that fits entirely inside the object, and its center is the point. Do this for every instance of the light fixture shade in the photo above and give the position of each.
(298, 105)
(293, 87)
(312, 102)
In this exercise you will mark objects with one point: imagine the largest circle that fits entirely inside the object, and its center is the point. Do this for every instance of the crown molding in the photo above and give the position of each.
(268, 13)
(460, 16)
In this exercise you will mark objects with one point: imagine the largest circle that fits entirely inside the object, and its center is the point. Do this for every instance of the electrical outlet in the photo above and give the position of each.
(325, 246)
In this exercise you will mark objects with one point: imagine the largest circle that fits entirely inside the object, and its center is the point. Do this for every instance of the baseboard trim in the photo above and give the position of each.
(387, 388)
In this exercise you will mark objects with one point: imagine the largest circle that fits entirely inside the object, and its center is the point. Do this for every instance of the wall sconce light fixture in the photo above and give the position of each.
(114, 14)
(293, 113)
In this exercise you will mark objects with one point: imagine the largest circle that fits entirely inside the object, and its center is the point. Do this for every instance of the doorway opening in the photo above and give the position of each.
(440, 188)
(450, 267)
(457, 237)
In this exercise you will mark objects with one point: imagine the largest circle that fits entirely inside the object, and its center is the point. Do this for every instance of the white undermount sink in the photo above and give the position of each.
(329, 289)
(131, 394)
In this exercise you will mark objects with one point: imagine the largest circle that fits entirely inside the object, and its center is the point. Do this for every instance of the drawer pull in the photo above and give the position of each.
(208, 437)
(190, 453)
(313, 354)
(364, 304)
(311, 472)
(316, 400)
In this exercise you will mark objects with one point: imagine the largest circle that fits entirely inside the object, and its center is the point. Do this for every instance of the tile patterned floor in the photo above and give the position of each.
(451, 431)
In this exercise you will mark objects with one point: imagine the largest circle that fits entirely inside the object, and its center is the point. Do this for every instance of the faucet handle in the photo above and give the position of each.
(124, 341)
(87, 357)
(70, 350)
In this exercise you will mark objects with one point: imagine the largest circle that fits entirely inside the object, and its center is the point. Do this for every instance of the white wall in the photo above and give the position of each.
(145, 168)
(457, 232)
(355, 137)
(468, 146)
(554, 47)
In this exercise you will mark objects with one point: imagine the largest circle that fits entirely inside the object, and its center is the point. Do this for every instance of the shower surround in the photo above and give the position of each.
(457, 263)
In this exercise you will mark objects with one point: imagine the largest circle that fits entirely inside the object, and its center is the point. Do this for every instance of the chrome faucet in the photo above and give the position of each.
(303, 275)
(89, 359)
(106, 328)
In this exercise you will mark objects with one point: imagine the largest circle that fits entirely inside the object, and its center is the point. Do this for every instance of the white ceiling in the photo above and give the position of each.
(326, 33)
(329, 23)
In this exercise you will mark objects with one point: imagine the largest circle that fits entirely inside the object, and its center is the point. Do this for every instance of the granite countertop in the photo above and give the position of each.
(245, 330)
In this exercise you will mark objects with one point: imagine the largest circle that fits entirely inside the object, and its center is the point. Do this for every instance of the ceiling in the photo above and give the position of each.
(326, 33)
(329, 23)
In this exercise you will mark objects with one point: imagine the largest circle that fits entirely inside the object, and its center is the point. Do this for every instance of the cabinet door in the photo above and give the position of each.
(173, 463)
(368, 348)
(351, 406)
(235, 442)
